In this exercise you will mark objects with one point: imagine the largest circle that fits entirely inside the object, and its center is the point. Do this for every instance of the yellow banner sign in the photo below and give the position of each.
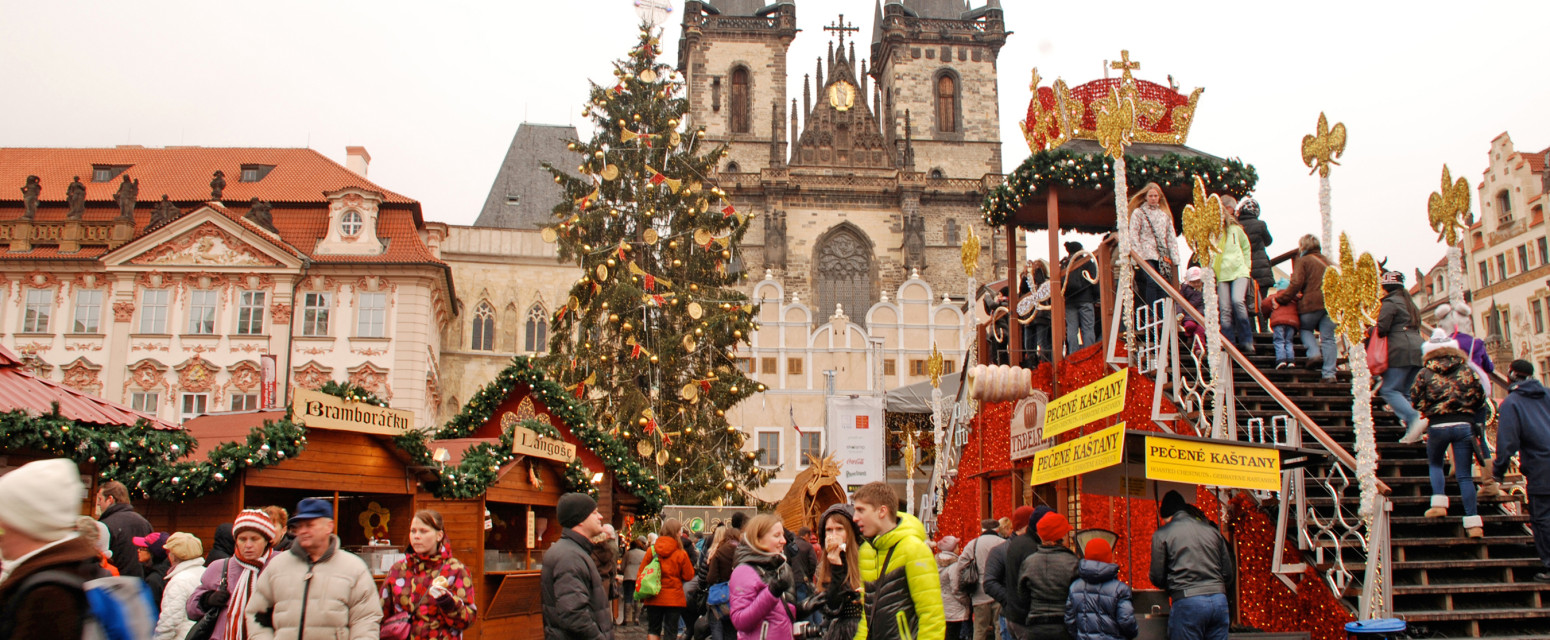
(526, 442)
(1212, 464)
(1087, 453)
(318, 409)
(1096, 401)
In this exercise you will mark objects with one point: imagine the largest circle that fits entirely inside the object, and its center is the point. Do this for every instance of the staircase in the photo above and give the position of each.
(1444, 585)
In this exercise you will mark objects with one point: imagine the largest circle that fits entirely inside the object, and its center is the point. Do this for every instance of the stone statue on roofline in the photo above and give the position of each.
(775, 239)
(164, 212)
(127, 196)
(75, 196)
(30, 193)
(217, 185)
(914, 241)
(259, 214)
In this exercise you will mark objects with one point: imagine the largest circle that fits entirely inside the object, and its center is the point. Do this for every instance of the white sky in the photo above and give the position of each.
(436, 90)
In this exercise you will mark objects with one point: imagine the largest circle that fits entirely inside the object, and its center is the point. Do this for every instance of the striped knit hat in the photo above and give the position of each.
(255, 521)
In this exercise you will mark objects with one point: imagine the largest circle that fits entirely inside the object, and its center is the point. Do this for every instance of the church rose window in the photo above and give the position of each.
(844, 277)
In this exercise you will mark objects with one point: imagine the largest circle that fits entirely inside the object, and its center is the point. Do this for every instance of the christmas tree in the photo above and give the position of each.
(649, 334)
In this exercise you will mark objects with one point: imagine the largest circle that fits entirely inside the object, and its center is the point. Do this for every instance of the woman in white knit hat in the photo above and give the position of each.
(38, 505)
(226, 584)
(1448, 393)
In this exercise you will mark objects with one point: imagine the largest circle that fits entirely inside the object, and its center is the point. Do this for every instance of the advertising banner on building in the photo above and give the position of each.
(267, 385)
(860, 438)
(1093, 402)
(1213, 464)
(318, 409)
(1088, 453)
(1027, 428)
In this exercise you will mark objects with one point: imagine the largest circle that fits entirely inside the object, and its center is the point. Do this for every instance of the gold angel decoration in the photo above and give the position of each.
(1351, 293)
(970, 253)
(1203, 223)
(1446, 208)
(1320, 149)
(1116, 122)
(934, 367)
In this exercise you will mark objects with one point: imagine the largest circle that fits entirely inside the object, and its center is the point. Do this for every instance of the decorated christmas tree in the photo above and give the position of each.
(649, 335)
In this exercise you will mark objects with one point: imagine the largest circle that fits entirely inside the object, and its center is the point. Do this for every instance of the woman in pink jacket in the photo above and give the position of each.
(760, 581)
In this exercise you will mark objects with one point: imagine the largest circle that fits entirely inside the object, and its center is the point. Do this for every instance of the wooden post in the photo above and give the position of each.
(1108, 299)
(1014, 332)
(1057, 311)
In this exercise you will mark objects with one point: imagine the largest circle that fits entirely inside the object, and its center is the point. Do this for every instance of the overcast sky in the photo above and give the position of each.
(436, 90)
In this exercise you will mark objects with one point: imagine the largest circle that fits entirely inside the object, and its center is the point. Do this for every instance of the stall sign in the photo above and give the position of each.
(526, 442)
(1213, 464)
(1027, 430)
(318, 409)
(856, 425)
(1095, 401)
(1087, 453)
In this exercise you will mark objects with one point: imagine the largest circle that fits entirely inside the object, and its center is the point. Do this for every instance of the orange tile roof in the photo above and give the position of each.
(182, 173)
(1536, 160)
(21, 390)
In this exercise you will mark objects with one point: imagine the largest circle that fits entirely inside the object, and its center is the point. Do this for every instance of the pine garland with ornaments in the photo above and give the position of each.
(647, 340)
(1095, 172)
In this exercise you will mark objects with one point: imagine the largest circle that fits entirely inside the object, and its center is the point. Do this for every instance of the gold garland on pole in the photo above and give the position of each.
(1319, 152)
(1116, 126)
(1446, 210)
(1202, 229)
(1352, 297)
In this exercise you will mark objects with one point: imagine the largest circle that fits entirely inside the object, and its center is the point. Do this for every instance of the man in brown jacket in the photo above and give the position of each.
(39, 503)
(315, 588)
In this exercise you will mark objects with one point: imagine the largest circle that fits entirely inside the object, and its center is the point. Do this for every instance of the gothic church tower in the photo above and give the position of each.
(733, 57)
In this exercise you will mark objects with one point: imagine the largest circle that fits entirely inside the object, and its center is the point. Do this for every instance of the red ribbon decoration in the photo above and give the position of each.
(727, 211)
(635, 351)
(651, 284)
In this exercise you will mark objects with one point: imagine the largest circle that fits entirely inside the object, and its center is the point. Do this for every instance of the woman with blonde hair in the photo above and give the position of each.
(1152, 238)
(761, 582)
(1232, 282)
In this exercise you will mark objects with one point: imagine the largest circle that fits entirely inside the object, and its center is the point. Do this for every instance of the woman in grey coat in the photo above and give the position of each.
(1400, 321)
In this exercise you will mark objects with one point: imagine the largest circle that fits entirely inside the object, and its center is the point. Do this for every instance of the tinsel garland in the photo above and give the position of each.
(1366, 441)
(1070, 169)
(1455, 277)
(1328, 220)
(1127, 298)
(1218, 380)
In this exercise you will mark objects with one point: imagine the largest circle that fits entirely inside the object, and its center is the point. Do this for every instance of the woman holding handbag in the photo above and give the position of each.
(1152, 238)
(428, 595)
(220, 602)
(1399, 322)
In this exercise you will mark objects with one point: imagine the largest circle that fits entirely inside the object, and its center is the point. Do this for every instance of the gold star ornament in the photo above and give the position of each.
(1320, 149)
(1351, 293)
(1446, 209)
(1203, 223)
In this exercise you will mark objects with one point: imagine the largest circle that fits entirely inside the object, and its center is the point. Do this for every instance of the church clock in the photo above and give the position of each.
(842, 96)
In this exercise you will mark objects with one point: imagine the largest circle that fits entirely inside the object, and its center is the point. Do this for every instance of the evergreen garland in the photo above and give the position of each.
(1095, 172)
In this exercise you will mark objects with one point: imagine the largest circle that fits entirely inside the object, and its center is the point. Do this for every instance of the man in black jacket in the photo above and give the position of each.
(1524, 429)
(1259, 261)
(1022, 544)
(124, 525)
(1046, 577)
(1192, 562)
(1081, 290)
(575, 600)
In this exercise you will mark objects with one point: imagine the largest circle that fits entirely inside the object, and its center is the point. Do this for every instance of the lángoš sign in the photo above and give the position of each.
(316, 409)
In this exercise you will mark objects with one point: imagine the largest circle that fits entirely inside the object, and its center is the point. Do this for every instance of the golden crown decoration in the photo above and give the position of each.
(1203, 223)
(1351, 293)
(1059, 113)
(1447, 208)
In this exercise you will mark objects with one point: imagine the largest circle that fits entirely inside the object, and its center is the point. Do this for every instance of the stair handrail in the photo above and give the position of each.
(1312, 428)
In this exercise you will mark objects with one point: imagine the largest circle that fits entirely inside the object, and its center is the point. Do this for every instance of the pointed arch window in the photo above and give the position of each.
(740, 101)
(844, 271)
(946, 102)
(484, 328)
(537, 328)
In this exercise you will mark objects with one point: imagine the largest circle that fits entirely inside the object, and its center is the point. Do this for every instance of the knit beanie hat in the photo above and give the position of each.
(948, 544)
(574, 508)
(1438, 340)
(1523, 368)
(154, 543)
(1020, 517)
(41, 499)
(255, 521)
(989, 524)
(1172, 503)
(1194, 274)
(1053, 527)
(1098, 550)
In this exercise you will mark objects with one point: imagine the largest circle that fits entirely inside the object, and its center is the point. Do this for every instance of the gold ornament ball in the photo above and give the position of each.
(557, 180)
(733, 389)
(613, 317)
(599, 154)
(725, 254)
(729, 486)
(622, 122)
(731, 429)
(678, 263)
(605, 304)
(653, 359)
(697, 331)
(627, 327)
(644, 421)
(586, 247)
(761, 387)
(613, 213)
(737, 333)
(611, 262)
(673, 122)
(694, 287)
(672, 244)
(720, 413)
(571, 146)
(700, 133)
(581, 168)
(636, 117)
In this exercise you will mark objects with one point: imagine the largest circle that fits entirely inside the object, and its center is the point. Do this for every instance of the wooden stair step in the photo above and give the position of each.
(1460, 540)
(1474, 587)
(1474, 563)
(1472, 614)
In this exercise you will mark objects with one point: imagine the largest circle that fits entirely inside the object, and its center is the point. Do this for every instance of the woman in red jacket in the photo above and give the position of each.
(664, 610)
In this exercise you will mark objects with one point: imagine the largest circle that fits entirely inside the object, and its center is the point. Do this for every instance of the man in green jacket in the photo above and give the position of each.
(903, 592)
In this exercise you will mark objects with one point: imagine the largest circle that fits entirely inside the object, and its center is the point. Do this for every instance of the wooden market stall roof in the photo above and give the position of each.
(333, 459)
(21, 390)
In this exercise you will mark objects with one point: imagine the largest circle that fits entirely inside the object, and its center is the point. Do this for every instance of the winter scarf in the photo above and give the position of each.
(240, 589)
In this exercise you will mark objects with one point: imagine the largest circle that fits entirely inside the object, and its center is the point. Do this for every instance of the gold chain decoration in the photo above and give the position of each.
(1203, 223)
(1351, 293)
(1446, 208)
(1320, 149)
(970, 253)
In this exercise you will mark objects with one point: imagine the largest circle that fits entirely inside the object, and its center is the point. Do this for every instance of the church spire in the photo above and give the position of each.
(807, 94)
(819, 77)
(795, 133)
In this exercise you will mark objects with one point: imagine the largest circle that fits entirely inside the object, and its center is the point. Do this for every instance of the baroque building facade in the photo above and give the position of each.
(1507, 255)
(181, 280)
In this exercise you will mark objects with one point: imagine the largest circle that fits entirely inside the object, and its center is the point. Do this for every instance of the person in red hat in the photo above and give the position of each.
(1099, 607)
(1045, 577)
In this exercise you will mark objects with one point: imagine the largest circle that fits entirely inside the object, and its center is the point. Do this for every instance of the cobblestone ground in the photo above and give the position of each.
(630, 632)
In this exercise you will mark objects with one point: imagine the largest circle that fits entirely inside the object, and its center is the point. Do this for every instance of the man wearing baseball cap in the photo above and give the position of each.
(287, 593)
(575, 599)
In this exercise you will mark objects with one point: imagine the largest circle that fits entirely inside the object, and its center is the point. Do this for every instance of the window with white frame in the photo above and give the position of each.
(194, 405)
(250, 313)
(314, 314)
(201, 310)
(88, 311)
(371, 315)
(769, 449)
(350, 223)
(40, 305)
(537, 328)
(153, 311)
(811, 444)
(145, 401)
(244, 401)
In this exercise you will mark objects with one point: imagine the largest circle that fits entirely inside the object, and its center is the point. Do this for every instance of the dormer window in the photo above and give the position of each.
(350, 223)
(107, 172)
(255, 172)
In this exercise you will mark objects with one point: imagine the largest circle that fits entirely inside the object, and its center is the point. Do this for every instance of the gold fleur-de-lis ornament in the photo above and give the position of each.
(1320, 149)
(1447, 208)
(1351, 293)
(1116, 122)
(934, 367)
(1203, 223)
(970, 253)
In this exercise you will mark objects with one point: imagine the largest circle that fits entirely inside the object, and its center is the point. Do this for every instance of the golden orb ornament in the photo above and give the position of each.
(599, 155)
(694, 287)
(613, 317)
(720, 413)
(644, 421)
(627, 327)
(653, 359)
